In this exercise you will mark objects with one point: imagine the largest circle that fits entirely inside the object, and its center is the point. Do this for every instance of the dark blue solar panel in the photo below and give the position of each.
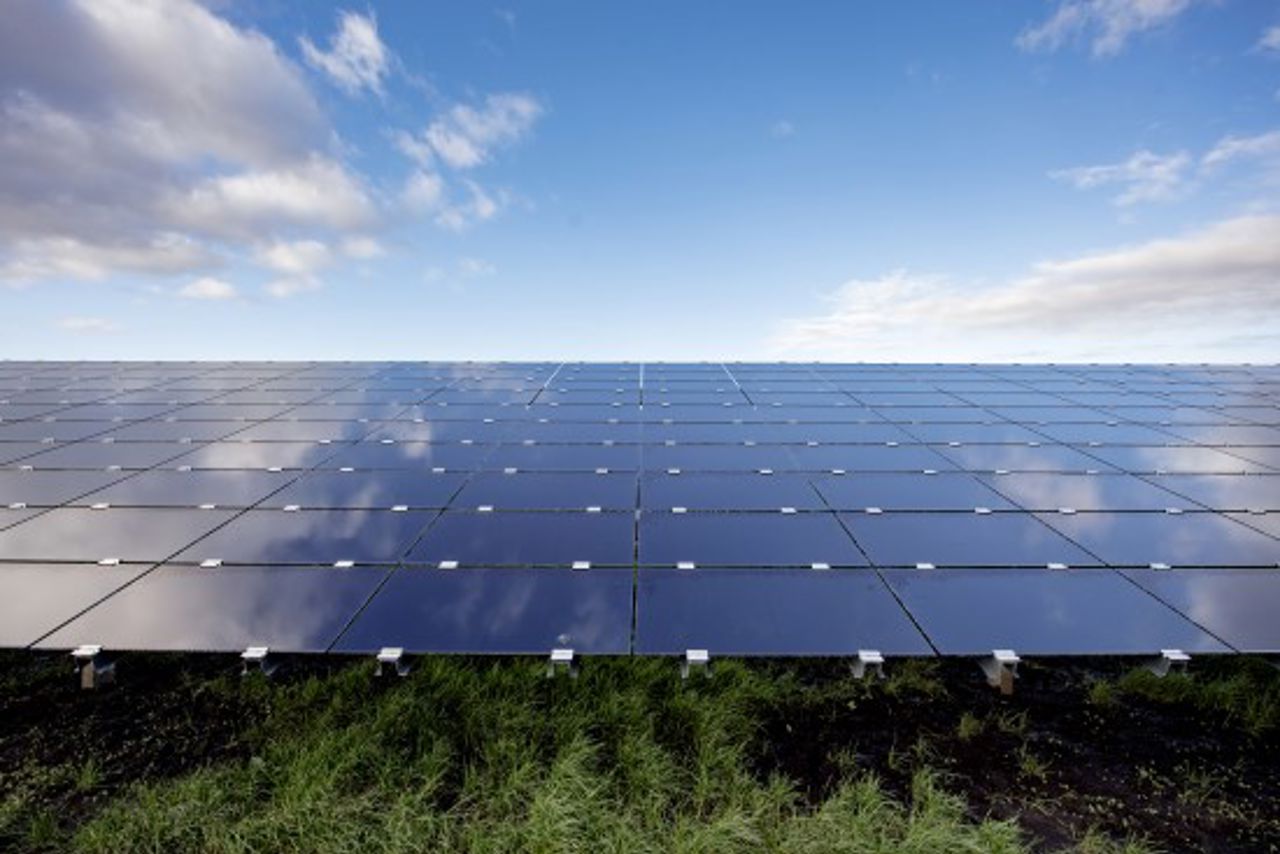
(279, 497)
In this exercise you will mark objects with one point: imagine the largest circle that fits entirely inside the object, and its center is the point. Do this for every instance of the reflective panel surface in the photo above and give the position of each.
(770, 613)
(513, 507)
(1237, 605)
(511, 611)
(311, 537)
(528, 539)
(124, 533)
(1183, 539)
(286, 608)
(37, 598)
(1042, 612)
(745, 539)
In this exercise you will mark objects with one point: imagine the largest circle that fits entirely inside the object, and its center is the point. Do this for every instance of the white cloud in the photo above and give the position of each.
(172, 139)
(285, 288)
(208, 288)
(415, 148)
(782, 129)
(88, 325)
(362, 248)
(177, 142)
(479, 206)
(423, 192)
(474, 267)
(1145, 177)
(318, 192)
(297, 258)
(1270, 39)
(1149, 177)
(1243, 147)
(1108, 24)
(31, 259)
(1206, 294)
(465, 136)
(357, 58)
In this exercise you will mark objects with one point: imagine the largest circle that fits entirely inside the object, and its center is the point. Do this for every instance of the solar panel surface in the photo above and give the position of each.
(750, 509)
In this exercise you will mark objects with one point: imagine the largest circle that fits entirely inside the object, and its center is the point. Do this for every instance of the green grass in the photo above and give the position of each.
(1244, 692)
(490, 757)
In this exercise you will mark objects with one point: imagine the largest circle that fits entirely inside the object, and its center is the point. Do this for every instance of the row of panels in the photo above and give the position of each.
(672, 538)
(653, 612)
(494, 431)
(425, 489)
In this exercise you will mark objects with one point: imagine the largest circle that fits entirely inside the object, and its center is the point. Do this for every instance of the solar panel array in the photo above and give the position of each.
(746, 509)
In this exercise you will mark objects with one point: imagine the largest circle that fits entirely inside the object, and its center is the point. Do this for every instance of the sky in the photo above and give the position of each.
(1069, 180)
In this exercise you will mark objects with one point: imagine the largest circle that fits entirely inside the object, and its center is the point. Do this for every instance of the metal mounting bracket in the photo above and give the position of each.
(868, 663)
(257, 659)
(94, 668)
(392, 656)
(1001, 668)
(695, 659)
(562, 660)
(1169, 661)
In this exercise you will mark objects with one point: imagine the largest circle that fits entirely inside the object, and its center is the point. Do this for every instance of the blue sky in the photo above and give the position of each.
(1072, 180)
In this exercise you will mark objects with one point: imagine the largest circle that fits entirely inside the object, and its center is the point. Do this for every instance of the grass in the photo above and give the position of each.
(485, 755)
(490, 757)
(1244, 692)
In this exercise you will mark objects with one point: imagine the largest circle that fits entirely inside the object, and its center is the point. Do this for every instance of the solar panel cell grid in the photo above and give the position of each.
(752, 509)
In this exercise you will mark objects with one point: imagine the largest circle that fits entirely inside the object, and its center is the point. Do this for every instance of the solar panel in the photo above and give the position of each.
(753, 509)
(1039, 612)
(225, 609)
(770, 612)
(496, 611)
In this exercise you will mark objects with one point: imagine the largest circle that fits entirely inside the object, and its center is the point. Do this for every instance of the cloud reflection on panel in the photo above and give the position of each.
(497, 611)
(37, 598)
(85, 535)
(1174, 539)
(311, 536)
(289, 609)
(1238, 605)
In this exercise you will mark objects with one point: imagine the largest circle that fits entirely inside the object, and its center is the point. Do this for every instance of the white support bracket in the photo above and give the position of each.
(257, 659)
(1169, 661)
(1001, 668)
(695, 659)
(392, 656)
(562, 660)
(94, 668)
(868, 663)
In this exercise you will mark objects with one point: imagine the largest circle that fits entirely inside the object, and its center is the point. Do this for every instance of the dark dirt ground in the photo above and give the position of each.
(1074, 748)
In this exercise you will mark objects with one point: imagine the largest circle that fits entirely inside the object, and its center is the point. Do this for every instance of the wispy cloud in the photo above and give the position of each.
(475, 267)
(88, 325)
(782, 129)
(1149, 177)
(357, 59)
(1270, 40)
(465, 136)
(1145, 177)
(208, 288)
(297, 258)
(1106, 24)
(285, 288)
(1234, 148)
(1183, 297)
